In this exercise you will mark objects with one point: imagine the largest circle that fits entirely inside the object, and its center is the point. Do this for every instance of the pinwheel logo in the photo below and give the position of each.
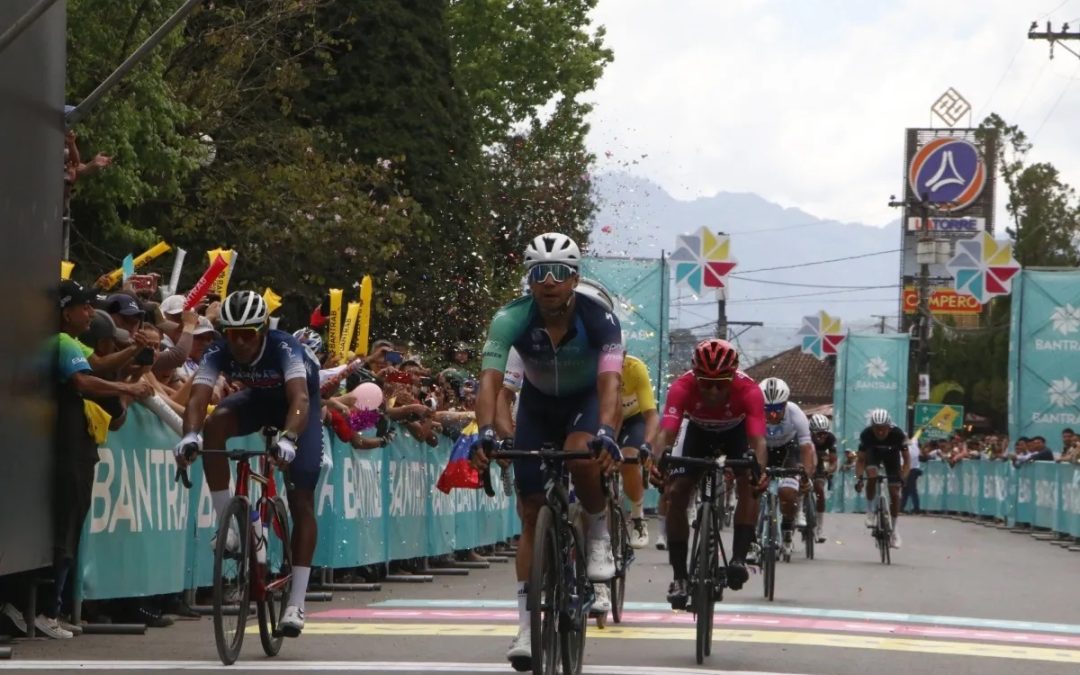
(821, 335)
(702, 260)
(983, 268)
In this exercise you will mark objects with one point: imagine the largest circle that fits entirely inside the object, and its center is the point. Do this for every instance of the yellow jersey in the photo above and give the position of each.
(637, 391)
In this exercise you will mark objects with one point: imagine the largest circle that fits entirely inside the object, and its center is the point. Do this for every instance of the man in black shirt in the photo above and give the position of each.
(825, 448)
(882, 443)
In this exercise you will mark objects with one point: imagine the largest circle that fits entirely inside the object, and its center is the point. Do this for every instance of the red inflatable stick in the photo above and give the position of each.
(202, 286)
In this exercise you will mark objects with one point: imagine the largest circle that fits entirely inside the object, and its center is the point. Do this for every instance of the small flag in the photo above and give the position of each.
(459, 472)
(128, 266)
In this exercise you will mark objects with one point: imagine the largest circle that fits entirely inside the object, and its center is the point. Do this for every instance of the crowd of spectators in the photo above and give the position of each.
(125, 348)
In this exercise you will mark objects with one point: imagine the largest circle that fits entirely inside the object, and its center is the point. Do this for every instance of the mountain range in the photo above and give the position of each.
(638, 218)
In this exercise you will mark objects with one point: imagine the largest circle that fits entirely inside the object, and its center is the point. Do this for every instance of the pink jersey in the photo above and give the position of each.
(744, 404)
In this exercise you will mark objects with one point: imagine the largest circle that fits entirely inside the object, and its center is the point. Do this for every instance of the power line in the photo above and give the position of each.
(798, 285)
(779, 297)
(816, 262)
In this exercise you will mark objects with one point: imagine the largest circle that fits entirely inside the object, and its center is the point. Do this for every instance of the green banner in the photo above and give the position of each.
(871, 372)
(938, 421)
(640, 289)
(147, 535)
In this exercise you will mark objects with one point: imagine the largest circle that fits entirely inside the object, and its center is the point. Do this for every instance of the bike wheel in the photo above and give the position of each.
(277, 576)
(619, 547)
(704, 593)
(769, 555)
(885, 528)
(572, 621)
(810, 531)
(232, 581)
(544, 598)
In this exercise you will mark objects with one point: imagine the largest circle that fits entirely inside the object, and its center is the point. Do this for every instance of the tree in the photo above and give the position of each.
(1044, 209)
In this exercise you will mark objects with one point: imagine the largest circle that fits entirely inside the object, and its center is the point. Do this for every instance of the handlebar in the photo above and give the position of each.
(191, 451)
(721, 462)
(506, 451)
(784, 472)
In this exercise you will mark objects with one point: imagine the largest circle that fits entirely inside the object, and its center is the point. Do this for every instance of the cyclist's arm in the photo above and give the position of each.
(504, 412)
(652, 422)
(755, 426)
(195, 412)
(491, 382)
(299, 404)
(609, 388)
(806, 443)
(760, 450)
(661, 441)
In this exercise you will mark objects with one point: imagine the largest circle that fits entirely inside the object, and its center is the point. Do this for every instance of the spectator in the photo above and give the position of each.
(911, 486)
(76, 449)
(1070, 447)
(1038, 450)
(74, 168)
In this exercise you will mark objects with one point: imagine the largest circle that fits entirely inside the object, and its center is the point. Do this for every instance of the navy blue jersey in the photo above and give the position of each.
(282, 359)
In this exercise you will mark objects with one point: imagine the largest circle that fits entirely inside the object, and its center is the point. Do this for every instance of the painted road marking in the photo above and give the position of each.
(789, 638)
(350, 666)
(670, 617)
(730, 608)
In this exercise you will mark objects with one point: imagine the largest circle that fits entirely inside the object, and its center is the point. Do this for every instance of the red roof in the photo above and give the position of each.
(810, 379)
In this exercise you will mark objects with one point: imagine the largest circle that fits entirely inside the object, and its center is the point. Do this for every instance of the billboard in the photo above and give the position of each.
(871, 372)
(943, 301)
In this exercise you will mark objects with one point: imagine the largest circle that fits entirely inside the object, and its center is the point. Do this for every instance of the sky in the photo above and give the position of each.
(805, 102)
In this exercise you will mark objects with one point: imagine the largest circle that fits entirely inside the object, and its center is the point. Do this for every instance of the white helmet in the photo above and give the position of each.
(819, 422)
(775, 390)
(880, 416)
(595, 290)
(552, 247)
(243, 309)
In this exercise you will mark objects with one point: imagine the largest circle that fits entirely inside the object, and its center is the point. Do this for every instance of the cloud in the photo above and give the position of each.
(806, 103)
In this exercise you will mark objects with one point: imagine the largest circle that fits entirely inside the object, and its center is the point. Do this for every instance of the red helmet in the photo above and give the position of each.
(715, 358)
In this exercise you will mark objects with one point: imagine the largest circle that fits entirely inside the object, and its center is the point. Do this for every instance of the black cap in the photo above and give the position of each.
(101, 327)
(72, 293)
(122, 303)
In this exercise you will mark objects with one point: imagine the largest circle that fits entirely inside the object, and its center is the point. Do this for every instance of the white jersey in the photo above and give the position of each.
(794, 426)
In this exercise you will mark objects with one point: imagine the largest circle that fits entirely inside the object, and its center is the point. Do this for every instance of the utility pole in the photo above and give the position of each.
(881, 326)
(1062, 36)
(721, 316)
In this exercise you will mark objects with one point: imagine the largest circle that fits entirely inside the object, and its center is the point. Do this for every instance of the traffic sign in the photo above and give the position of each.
(938, 421)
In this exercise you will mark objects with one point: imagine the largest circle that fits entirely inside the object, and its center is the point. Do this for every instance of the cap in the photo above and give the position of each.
(72, 293)
(174, 304)
(121, 303)
(101, 327)
(203, 327)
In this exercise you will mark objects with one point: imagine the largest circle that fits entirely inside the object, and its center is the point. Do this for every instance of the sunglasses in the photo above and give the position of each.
(241, 334)
(560, 272)
(775, 408)
(713, 382)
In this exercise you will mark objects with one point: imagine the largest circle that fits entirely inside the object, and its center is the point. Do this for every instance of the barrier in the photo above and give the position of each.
(1041, 494)
(147, 535)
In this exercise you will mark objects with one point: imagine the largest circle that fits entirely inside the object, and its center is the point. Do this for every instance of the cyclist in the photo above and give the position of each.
(788, 439)
(726, 416)
(825, 447)
(280, 389)
(882, 443)
(571, 349)
(640, 422)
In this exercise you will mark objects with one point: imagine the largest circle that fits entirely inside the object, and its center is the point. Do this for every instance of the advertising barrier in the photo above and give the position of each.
(1041, 494)
(146, 534)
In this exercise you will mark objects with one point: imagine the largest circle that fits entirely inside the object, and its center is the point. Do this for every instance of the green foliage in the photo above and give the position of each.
(1045, 211)
(978, 361)
(514, 58)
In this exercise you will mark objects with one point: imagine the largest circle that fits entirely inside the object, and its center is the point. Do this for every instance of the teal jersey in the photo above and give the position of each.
(591, 346)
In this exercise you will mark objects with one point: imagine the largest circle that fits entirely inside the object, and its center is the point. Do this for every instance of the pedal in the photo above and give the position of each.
(521, 664)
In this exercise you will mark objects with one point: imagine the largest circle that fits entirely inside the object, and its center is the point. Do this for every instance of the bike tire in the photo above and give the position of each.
(705, 587)
(769, 554)
(544, 596)
(619, 546)
(277, 576)
(572, 625)
(227, 637)
(810, 531)
(885, 525)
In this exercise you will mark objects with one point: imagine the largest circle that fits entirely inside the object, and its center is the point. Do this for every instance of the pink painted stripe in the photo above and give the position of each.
(729, 620)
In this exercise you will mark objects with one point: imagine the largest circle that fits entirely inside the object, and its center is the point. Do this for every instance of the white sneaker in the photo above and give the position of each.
(800, 519)
(894, 539)
(639, 533)
(51, 628)
(292, 622)
(232, 541)
(601, 563)
(15, 616)
(520, 652)
(871, 517)
(661, 541)
(602, 603)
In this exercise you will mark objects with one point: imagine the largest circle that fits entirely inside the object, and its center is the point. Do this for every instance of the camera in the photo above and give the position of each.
(145, 357)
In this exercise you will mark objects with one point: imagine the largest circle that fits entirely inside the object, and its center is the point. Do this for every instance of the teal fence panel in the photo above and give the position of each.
(1025, 495)
(1046, 491)
(932, 486)
(1070, 500)
(146, 534)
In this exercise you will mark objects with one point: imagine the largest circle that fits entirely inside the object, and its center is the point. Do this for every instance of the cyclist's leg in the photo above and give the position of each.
(819, 503)
(304, 474)
(631, 436)
(236, 415)
(871, 463)
(789, 487)
(892, 470)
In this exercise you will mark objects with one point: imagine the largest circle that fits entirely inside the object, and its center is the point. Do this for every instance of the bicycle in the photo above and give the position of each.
(882, 530)
(560, 594)
(769, 540)
(620, 545)
(239, 576)
(707, 577)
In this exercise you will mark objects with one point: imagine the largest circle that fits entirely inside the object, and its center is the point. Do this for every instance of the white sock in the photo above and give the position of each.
(523, 611)
(300, 576)
(220, 499)
(598, 525)
(637, 509)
